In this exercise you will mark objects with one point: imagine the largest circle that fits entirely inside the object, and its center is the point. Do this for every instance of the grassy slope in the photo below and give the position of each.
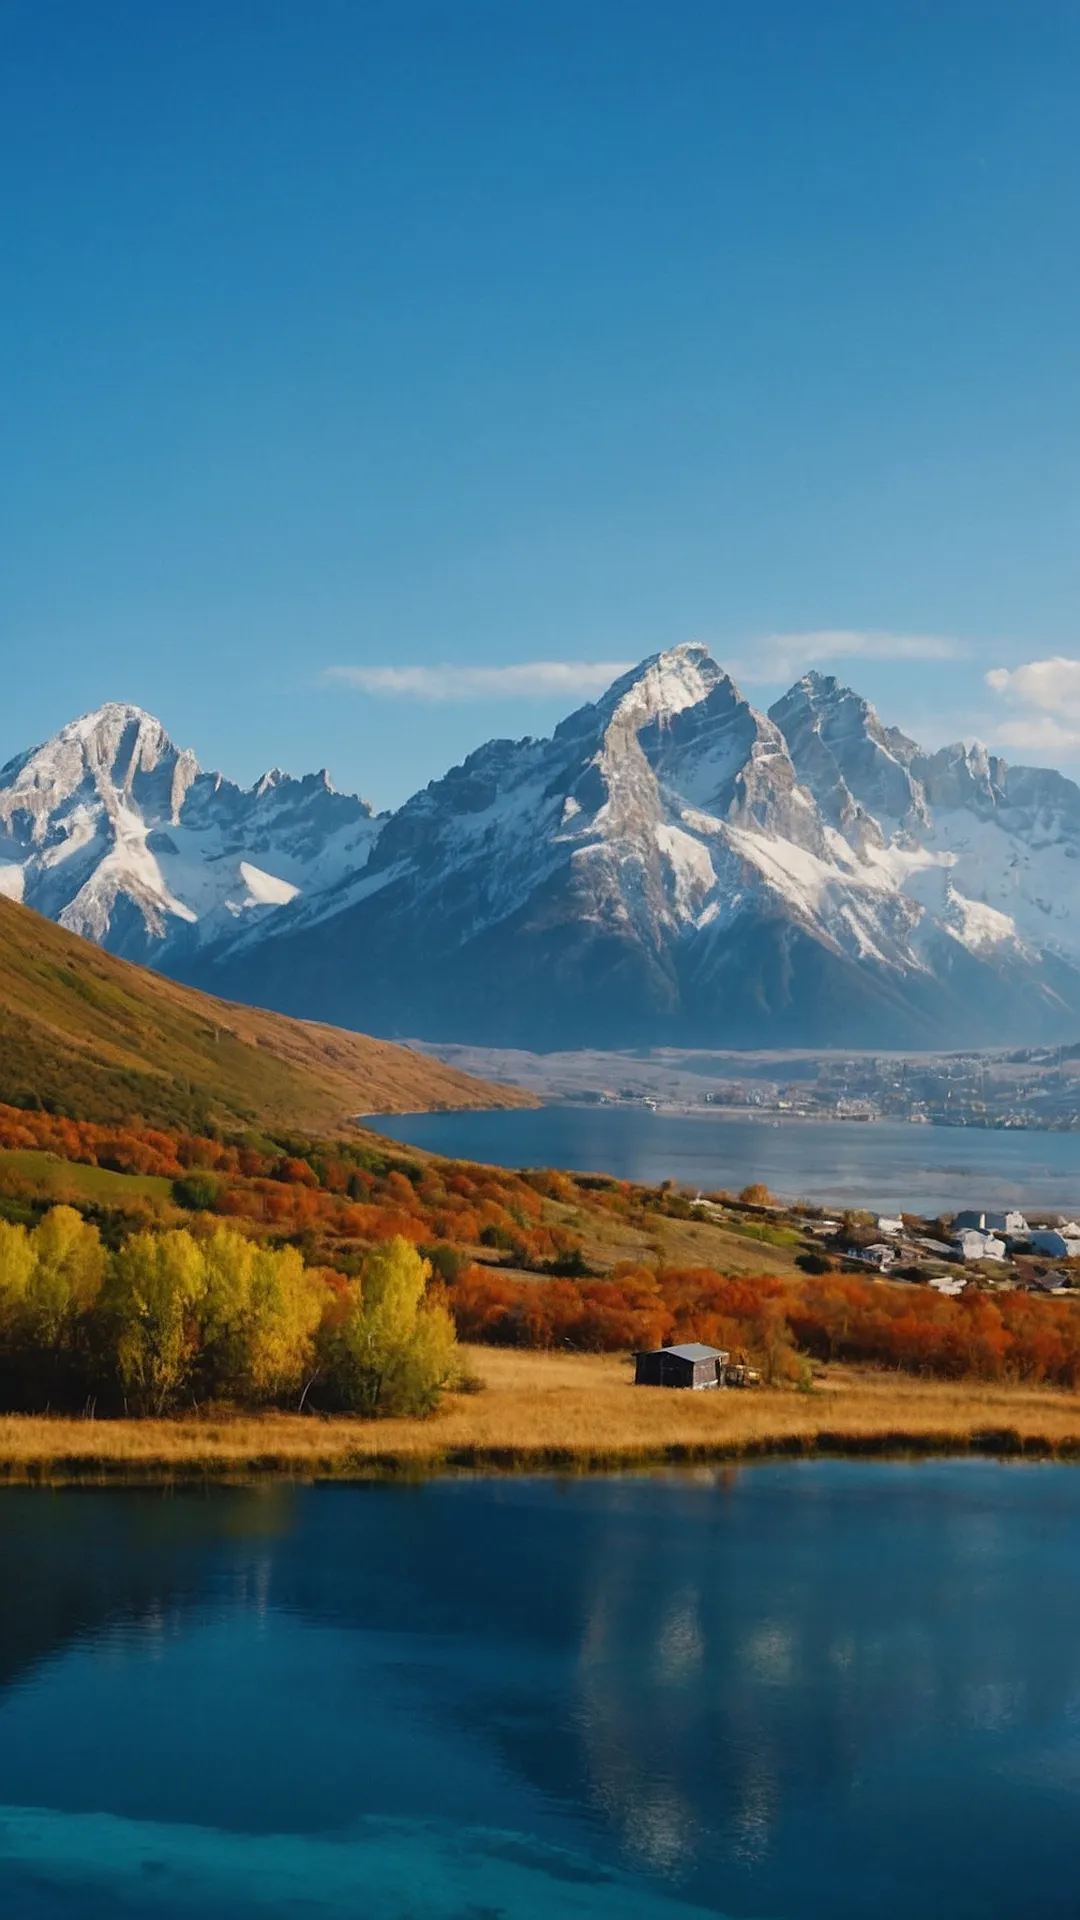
(546, 1409)
(70, 1179)
(677, 1243)
(108, 1041)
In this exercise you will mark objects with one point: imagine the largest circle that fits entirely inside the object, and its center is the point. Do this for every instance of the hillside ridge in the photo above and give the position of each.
(100, 1038)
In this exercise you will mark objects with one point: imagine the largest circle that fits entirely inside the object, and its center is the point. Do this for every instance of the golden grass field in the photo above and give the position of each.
(562, 1411)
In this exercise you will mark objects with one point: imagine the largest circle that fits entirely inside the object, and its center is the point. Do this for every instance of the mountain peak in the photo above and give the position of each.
(111, 747)
(657, 689)
(273, 777)
(119, 729)
(665, 684)
(115, 831)
(110, 714)
(857, 770)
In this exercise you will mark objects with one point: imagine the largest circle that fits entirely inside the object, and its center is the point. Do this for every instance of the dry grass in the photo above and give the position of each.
(559, 1410)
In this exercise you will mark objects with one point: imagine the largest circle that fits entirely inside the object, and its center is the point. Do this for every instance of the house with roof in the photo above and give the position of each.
(1012, 1223)
(1061, 1243)
(690, 1365)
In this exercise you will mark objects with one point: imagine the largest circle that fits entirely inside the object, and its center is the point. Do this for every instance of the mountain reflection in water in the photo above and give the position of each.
(784, 1691)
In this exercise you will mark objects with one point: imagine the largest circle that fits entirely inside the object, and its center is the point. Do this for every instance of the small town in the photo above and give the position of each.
(979, 1248)
(1036, 1088)
(1033, 1088)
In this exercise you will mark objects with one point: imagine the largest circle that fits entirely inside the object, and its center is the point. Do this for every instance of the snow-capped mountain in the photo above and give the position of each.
(671, 865)
(674, 865)
(118, 834)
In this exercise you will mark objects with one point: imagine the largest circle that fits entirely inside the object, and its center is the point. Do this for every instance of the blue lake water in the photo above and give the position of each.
(808, 1691)
(881, 1163)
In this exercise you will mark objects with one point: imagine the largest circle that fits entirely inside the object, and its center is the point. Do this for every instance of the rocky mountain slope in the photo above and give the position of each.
(97, 1038)
(670, 866)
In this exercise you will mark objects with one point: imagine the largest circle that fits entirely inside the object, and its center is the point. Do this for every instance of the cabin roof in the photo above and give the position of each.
(692, 1350)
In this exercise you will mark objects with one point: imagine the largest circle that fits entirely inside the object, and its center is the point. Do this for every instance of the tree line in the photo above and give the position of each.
(167, 1320)
(781, 1324)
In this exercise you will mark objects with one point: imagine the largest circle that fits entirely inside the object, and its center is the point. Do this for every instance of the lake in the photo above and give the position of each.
(881, 1163)
(798, 1692)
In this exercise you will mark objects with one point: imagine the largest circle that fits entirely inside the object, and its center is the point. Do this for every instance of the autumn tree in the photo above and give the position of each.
(154, 1284)
(390, 1349)
(68, 1265)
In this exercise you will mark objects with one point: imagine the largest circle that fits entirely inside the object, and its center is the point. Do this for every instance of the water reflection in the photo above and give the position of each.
(775, 1692)
(72, 1560)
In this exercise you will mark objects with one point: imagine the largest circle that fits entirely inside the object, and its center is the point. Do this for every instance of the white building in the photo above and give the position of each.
(973, 1245)
(890, 1223)
(950, 1284)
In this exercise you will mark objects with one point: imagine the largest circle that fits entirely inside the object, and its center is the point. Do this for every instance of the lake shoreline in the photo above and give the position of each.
(548, 1463)
(881, 1165)
(559, 1414)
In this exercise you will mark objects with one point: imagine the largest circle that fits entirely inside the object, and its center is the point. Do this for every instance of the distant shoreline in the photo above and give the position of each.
(756, 1116)
(882, 1165)
(1027, 1089)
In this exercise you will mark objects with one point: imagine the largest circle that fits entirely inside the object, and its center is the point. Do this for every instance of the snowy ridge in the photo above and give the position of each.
(671, 864)
(118, 834)
(674, 863)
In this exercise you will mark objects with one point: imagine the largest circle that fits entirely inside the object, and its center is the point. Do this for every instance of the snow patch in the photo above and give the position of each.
(977, 926)
(264, 889)
(691, 869)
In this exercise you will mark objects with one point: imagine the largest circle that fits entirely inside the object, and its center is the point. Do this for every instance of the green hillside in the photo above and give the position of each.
(97, 1038)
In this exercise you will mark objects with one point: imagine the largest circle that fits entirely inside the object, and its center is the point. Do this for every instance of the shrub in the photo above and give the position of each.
(814, 1262)
(447, 1263)
(198, 1191)
(756, 1195)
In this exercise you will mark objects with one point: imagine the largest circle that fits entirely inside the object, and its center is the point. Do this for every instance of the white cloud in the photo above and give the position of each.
(782, 657)
(1038, 735)
(533, 680)
(1050, 686)
(1045, 698)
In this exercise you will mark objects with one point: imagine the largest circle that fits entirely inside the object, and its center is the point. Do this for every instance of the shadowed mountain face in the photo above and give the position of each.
(670, 866)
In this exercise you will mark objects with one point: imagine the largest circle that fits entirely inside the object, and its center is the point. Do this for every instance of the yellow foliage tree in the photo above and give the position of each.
(16, 1264)
(287, 1301)
(258, 1317)
(393, 1350)
(69, 1263)
(155, 1282)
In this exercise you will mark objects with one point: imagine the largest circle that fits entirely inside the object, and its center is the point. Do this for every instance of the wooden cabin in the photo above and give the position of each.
(691, 1365)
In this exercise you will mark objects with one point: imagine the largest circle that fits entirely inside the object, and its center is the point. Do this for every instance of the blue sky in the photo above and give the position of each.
(467, 336)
